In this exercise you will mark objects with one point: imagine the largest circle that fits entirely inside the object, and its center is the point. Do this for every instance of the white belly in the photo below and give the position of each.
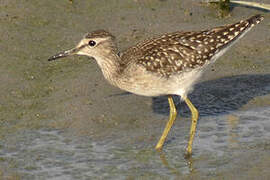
(151, 84)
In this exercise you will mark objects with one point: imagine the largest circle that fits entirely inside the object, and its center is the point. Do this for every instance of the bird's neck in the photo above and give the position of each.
(109, 64)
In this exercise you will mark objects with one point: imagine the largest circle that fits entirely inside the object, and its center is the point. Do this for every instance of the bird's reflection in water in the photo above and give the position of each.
(189, 164)
(233, 122)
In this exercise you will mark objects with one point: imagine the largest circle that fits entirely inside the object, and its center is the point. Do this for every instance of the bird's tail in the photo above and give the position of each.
(229, 34)
(252, 21)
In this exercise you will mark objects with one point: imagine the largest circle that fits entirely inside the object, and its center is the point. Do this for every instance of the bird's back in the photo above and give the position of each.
(178, 52)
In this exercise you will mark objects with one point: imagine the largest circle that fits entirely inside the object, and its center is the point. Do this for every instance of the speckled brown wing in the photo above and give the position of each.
(167, 55)
(183, 51)
(164, 55)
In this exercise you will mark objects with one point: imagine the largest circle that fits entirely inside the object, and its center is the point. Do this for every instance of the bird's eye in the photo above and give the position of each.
(92, 43)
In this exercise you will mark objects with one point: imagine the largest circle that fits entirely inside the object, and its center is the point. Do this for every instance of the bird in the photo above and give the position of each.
(165, 65)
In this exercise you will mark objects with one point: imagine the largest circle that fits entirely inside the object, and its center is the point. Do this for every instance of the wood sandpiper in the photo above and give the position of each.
(166, 65)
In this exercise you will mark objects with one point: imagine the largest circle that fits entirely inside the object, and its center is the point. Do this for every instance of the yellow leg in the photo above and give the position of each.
(169, 124)
(194, 118)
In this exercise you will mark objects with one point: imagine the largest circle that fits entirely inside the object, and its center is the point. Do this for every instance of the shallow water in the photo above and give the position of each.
(62, 120)
(222, 143)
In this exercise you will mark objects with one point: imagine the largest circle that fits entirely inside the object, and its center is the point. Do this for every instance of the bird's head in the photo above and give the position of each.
(94, 44)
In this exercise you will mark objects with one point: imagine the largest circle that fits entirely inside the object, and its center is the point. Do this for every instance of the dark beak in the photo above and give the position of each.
(64, 54)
